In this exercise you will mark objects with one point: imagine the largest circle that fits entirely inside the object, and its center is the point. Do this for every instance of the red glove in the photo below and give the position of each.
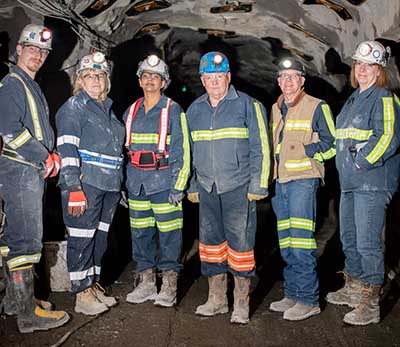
(48, 166)
(57, 164)
(77, 203)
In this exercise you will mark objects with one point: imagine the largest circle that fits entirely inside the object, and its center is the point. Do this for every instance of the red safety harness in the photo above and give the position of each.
(149, 160)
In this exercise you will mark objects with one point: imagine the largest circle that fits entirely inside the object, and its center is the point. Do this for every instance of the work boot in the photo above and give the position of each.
(301, 311)
(349, 295)
(282, 305)
(88, 303)
(217, 302)
(31, 317)
(145, 290)
(240, 312)
(100, 294)
(367, 311)
(167, 295)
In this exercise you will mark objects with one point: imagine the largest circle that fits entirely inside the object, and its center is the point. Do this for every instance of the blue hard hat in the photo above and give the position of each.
(213, 62)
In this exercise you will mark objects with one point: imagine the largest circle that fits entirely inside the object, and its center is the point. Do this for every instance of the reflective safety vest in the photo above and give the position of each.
(297, 132)
(149, 160)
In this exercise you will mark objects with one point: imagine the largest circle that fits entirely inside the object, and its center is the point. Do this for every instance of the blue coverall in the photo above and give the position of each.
(368, 162)
(230, 159)
(149, 190)
(90, 142)
(28, 139)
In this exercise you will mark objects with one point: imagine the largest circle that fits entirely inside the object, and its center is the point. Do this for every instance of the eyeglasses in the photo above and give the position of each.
(214, 77)
(36, 50)
(150, 76)
(289, 76)
(94, 76)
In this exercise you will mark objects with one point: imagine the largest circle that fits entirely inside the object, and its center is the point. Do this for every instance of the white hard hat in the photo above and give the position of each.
(96, 61)
(154, 64)
(372, 52)
(36, 35)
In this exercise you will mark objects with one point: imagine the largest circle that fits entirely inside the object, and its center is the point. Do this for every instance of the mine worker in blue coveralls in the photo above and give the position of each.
(303, 136)
(368, 162)
(157, 173)
(26, 160)
(231, 168)
(90, 141)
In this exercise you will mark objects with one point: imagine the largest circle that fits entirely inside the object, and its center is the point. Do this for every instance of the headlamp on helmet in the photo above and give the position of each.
(96, 61)
(36, 35)
(213, 62)
(291, 64)
(372, 52)
(45, 35)
(154, 64)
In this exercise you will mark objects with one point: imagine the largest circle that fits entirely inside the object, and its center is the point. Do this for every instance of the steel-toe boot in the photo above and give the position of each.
(145, 290)
(87, 303)
(100, 294)
(240, 312)
(367, 311)
(217, 302)
(349, 295)
(301, 311)
(167, 295)
(282, 305)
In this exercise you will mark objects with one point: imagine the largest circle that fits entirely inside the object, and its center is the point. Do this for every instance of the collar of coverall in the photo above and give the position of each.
(232, 94)
(366, 93)
(295, 101)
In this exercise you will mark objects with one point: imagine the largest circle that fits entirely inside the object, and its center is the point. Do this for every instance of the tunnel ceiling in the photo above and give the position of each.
(323, 33)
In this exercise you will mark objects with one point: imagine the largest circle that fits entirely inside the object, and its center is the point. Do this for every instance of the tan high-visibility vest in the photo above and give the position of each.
(297, 132)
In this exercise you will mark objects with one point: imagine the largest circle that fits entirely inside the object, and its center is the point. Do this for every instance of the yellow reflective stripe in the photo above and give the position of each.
(295, 242)
(353, 133)
(396, 98)
(302, 223)
(388, 131)
(20, 140)
(298, 125)
(1, 84)
(32, 106)
(265, 165)
(321, 156)
(328, 118)
(141, 223)
(283, 224)
(4, 251)
(139, 205)
(224, 133)
(140, 138)
(278, 148)
(170, 225)
(183, 174)
(22, 260)
(272, 126)
(298, 165)
(165, 208)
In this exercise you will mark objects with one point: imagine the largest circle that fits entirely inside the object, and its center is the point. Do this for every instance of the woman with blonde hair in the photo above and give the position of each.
(90, 140)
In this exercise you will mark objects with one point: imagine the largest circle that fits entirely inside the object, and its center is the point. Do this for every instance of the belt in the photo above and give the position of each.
(149, 160)
(102, 160)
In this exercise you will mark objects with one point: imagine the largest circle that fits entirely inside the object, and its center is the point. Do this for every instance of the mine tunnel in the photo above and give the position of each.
(127, 34)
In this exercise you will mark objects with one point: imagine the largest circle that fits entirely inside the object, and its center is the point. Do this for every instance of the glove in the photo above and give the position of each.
(57, 164)
(77, 203)
(48, 166)
(194, 197)
(175, 199)
(252, 197)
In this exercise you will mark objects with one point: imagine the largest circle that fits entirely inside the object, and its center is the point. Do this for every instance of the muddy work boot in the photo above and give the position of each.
(240, 312)
(367, 311)
(87, 303)
(282, 305)
(100, 294)
(349, 295)
(217, 302)
(145, 290)
(167, 295)
(31, 317)
(301, 311)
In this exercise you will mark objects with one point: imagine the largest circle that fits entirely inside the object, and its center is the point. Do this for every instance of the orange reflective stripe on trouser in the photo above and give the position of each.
(241, 261)
(215, 253)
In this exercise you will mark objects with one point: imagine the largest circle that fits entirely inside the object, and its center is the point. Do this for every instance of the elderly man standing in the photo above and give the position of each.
(303, 137)
(231, 167)
(25, 162)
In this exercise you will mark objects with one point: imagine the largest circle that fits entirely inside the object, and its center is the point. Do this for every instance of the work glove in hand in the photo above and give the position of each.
(175, 199)
(252, 197)
(194, 197)
(57, 164)
(48, 166)
(77, 203)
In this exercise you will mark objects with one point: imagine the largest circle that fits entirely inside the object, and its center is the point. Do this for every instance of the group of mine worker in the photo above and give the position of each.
(216, 154)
